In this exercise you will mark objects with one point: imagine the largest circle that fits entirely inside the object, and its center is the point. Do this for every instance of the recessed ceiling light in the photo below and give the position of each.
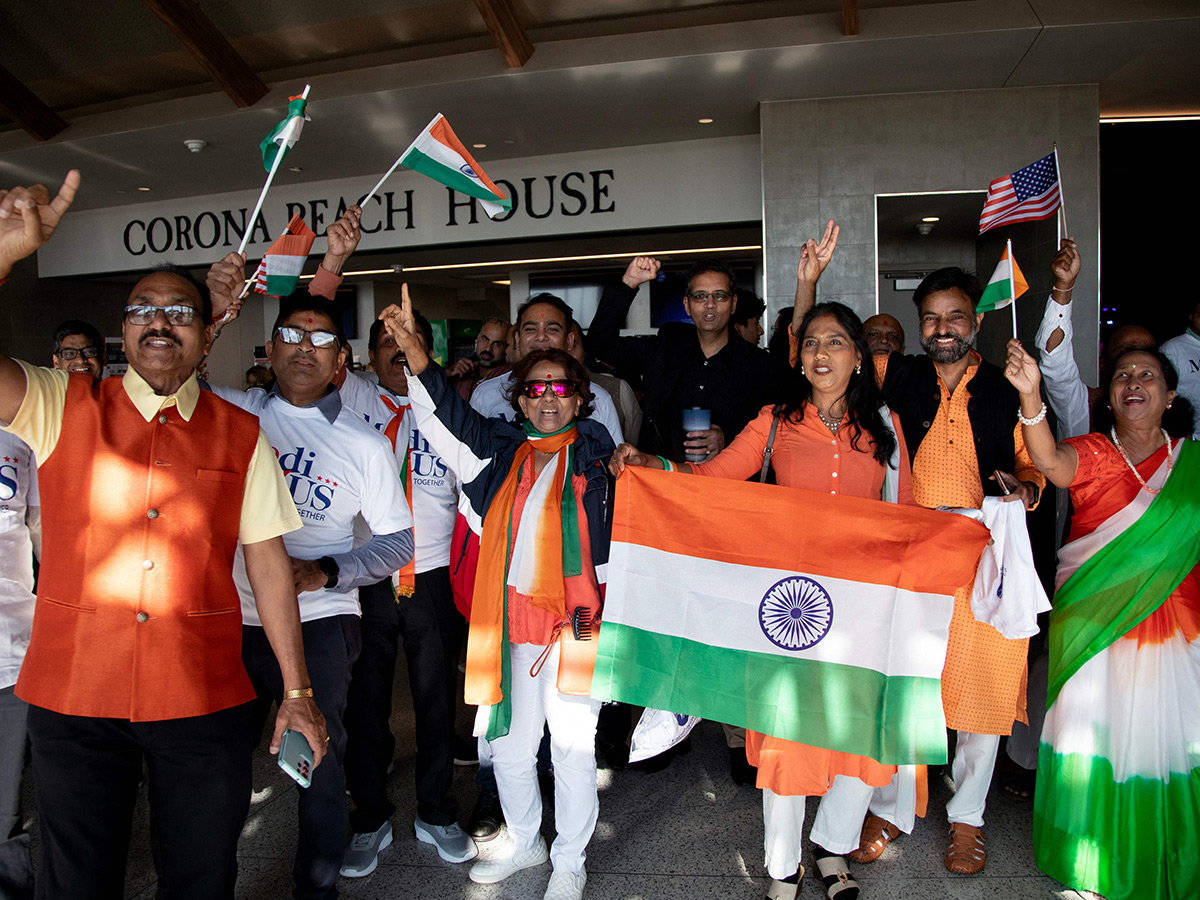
(931, 219)
(295, 169)
(479, 146)
(705, 121)
(502, 281)
(143, 189)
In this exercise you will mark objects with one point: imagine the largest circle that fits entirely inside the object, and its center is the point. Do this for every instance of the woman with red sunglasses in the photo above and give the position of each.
(537, 494)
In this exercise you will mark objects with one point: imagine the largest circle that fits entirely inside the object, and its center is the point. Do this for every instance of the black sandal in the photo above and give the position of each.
(788, 888)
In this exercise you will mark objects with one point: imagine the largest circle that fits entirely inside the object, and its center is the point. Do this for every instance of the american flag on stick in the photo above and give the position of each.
(1026, 195)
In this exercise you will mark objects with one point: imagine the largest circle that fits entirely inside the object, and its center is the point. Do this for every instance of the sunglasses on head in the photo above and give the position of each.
(175, 314)
(290, 335)
(560, 386)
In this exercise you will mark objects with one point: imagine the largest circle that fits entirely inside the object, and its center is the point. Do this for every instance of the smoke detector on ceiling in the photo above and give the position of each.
(924, 228)
(195, 145)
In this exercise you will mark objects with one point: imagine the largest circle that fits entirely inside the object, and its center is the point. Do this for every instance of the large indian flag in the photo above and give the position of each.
(439, 154)
(815, 618)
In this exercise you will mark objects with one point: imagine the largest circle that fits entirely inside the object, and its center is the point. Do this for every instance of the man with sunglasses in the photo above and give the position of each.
(337, 468)
(78, 347)
(135, 655)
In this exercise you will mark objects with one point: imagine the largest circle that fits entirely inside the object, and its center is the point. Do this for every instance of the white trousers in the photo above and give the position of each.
(836, 827)
(974, 762)
(537, 702)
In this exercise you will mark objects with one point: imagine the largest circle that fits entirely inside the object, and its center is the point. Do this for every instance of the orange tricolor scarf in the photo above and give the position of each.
(406, 580)
(556, 556)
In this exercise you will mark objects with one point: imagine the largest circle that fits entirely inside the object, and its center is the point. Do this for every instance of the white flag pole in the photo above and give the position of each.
(263, 196)
(396, 164)
(1012, 289)
(1062, 195)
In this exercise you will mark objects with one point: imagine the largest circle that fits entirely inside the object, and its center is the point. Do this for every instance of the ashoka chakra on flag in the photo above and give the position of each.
(795, 613)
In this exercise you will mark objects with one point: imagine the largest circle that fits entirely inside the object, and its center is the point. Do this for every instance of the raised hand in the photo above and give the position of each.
(1022, 371)
(1066, 265)
(641, 270)
(28, 218)
(815, 257)
(399, 322)
(343, 237)
(226, 279)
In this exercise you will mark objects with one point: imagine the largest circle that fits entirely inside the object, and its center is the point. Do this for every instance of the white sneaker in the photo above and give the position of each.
(489, 871)
(362, 855)
(566, 885)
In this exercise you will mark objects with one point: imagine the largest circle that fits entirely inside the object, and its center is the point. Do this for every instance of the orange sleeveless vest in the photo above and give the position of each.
(137, 616)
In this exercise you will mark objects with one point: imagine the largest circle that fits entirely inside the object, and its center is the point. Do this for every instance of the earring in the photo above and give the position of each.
(802, 370)
(858, 369)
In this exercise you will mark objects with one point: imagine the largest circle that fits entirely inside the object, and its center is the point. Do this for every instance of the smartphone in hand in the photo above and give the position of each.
(296, 757)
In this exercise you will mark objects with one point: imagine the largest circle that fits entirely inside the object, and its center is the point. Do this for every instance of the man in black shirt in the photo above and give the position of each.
(686, 365)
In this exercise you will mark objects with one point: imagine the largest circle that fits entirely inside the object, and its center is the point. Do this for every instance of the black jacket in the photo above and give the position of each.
(657, 362)
(481, 451)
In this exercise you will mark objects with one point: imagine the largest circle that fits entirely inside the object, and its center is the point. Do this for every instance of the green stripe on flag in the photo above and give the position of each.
(996, 295)
(451, 177)
(896, 720)
(1122, 584)
(1130, 839)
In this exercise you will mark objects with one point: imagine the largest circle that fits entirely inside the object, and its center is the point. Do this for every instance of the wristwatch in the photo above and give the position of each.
(1037, 495)
(330, 568)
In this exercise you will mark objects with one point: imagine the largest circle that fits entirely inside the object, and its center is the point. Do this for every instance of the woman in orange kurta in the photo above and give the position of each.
(834, 435)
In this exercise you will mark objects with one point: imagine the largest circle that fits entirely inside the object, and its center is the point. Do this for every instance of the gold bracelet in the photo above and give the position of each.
(298, 694)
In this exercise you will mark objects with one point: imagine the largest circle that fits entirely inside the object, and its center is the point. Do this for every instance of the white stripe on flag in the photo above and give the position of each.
(879, 627)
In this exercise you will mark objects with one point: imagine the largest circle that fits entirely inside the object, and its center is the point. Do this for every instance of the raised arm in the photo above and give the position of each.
(460, 435)
(628, 355)
(1065, 389)
(1057, 461)
(814, 258)
(28, 219)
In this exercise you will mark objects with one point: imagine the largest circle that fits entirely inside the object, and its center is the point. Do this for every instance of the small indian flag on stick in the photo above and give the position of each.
(438, 154)
(1005, 286)
(283, 136)
(833, 634)
(280, 268)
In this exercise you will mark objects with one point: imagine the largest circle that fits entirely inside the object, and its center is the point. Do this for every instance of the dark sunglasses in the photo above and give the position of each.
(560, 386)
(290, 335)
(70, 353)
(175, 314)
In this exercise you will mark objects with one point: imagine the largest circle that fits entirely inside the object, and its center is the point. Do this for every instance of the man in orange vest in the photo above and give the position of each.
(148, 485)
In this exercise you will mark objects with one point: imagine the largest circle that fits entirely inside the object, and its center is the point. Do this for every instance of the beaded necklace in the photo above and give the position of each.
(1125, 456)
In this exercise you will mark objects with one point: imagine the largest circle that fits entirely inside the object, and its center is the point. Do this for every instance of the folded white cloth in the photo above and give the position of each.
(1008, 595)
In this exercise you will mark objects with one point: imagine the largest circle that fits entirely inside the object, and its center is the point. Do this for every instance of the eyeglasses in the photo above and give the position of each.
(71, 353)
(703, 296)
(560, 386)
(290, 335)
(175, 314)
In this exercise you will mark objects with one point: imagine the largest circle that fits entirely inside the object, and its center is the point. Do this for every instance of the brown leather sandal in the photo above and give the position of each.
(877, 833)
(966, 854)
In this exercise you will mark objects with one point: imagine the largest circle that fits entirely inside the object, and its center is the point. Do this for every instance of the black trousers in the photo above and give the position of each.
(86, 772)
(330, 647)
(431, 629)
